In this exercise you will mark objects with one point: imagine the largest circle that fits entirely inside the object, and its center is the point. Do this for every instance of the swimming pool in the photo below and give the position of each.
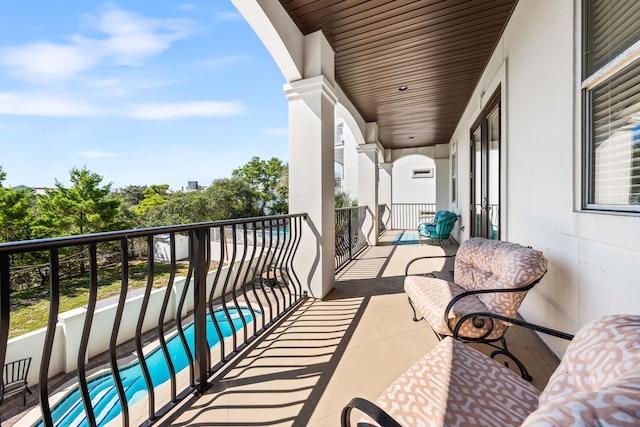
(102, 389)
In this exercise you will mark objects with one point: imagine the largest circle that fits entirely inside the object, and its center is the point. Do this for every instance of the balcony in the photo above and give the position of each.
(313, 357)
(355, 342)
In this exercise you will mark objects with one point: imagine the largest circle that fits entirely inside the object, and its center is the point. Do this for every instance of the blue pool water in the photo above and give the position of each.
(103, 392)
(281, 232)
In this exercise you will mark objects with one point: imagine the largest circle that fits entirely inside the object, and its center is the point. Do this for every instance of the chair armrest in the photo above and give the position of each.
(518, 322)
(474, 316)
(406, 270)
(370, 409)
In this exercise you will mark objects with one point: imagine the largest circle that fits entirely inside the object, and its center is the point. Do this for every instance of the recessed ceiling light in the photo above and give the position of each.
(410, 137)
(403, 88)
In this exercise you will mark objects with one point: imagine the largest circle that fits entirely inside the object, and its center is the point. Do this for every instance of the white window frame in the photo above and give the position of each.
(619, 64)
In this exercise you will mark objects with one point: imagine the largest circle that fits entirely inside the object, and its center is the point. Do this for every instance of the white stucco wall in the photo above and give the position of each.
(350, 165)
(593, 257)
(407, 189)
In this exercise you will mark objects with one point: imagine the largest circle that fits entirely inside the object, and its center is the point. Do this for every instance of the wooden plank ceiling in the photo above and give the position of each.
(437, 49)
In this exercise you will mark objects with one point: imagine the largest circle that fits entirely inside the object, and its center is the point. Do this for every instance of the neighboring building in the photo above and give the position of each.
(192, 186)
(37, 190)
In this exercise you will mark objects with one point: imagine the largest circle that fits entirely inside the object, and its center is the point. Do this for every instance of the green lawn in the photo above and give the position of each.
(30, 308)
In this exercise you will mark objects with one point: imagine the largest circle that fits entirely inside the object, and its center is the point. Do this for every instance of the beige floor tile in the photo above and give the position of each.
(355, 342)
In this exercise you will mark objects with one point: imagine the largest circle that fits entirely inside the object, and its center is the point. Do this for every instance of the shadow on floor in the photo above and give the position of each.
(281, 380)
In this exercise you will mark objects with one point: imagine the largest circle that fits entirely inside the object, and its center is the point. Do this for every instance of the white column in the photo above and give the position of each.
(441, 160)
(311, 182)
(368, 189)
(385, 194)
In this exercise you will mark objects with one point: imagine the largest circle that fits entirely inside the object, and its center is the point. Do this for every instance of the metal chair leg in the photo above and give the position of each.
(415, 314)
(505, 352)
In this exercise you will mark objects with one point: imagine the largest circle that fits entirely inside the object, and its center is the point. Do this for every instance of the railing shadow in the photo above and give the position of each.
(287, 377)
(282, 378)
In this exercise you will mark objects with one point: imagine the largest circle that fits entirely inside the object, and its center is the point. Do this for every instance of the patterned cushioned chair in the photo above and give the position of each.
(440, 228)
(596, 384)
(489, 276)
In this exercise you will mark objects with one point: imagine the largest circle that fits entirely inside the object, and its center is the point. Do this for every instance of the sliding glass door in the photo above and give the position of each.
(485, 171)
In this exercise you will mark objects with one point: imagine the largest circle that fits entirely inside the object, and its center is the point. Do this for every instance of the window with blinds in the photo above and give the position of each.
(611, 32)
(611, 27)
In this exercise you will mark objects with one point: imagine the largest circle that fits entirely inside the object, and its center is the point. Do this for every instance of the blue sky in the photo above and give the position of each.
(141, 92)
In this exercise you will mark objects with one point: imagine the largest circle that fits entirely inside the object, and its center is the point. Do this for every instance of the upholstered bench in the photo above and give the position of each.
(596, 383)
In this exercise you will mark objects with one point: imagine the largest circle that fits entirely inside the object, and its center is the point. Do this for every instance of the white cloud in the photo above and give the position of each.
(45, 62)
(277, 131)
(133, 37)
(119, 85)
(128, 39)
(43, 105)
(20, 104)
(178, 110)
(229, 16)
(188, 6)
(222, 61)
(98, 154)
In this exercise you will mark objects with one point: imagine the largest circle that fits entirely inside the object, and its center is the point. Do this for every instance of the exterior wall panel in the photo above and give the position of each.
(593, 257)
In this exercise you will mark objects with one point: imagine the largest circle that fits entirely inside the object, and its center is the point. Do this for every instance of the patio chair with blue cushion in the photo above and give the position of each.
(440, 228)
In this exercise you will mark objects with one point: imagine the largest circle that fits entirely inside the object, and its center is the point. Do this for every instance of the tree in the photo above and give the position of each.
(225, 198)
(83, 208)
(343, 200)
(130, 195)
(16, 213)
(154, 197)
(232, 198)
(129, 198)
(179, 208)
(269, 181)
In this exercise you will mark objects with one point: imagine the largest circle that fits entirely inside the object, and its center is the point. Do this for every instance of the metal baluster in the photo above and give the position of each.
(84, 341)
(255, 278)
(295, 250)
(113, 343)
(183, 298)
(267, 269)
(141, 316)
(351, 237)
(285, 260)
(238, 284)
(214, 321)
(54, 305)
(5, 305)
(262, 259)
(224, 288)
(163, 311)
(201, 346)
(277, 268)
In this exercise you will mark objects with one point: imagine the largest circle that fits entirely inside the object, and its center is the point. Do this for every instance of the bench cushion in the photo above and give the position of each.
(598, 380)
(456, 385)
(430, 297)
(495, 264)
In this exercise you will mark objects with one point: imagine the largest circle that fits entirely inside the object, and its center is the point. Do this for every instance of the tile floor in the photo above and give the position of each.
(354, 342)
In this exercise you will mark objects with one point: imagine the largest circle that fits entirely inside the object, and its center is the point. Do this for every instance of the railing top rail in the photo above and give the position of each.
(59, 242)
(350, 208)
